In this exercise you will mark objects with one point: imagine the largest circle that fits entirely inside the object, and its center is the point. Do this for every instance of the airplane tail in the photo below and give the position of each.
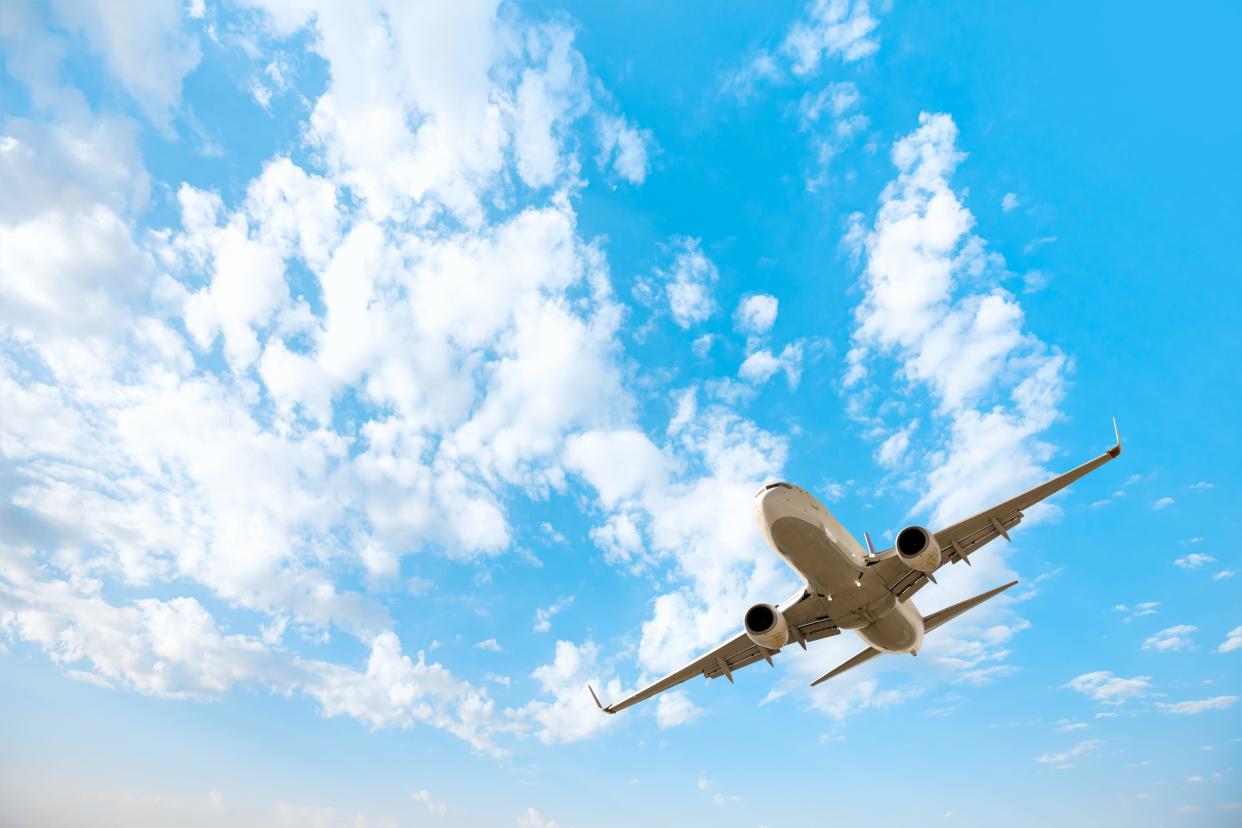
(930, 622)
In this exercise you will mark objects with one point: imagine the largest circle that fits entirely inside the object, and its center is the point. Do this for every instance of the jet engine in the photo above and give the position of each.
(918, 549)
(766, 626)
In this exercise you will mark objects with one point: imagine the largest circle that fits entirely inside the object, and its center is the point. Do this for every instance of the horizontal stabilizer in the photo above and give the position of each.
(949, 613)
(865, 655)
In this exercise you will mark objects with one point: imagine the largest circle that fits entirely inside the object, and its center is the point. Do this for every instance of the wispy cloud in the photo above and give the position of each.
(1062, 760)
(1194, 560)
(1190, 708)
(1233, 641)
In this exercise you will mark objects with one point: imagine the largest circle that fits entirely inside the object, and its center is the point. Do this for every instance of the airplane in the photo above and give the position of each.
(847, 587)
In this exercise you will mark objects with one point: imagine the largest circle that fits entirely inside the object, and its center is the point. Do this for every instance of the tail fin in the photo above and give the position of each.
(947, 614)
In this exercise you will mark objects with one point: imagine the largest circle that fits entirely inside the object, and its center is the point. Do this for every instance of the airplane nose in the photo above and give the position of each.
(766, 498)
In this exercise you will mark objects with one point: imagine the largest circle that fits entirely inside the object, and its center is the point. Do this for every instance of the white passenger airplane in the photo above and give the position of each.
(847, 587)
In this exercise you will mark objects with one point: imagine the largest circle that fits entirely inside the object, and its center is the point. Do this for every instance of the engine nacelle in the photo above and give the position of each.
(766, 626)
(918, 549)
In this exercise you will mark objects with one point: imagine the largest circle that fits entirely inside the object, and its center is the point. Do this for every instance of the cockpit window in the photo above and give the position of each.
(777, 486)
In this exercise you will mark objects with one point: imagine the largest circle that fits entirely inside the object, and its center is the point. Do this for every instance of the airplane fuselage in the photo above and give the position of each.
(833, 567)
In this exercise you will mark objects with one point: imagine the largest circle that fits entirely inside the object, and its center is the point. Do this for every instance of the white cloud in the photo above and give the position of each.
(1138, 610)
(674, 708)
(425, 798)
(1162, 503)
(1010, 202)
(491, 645)
(143, 46)
(1202, 485)
(1223, 575)
(543, 615)
(762, 365)
(1066, 726)
(145, 463)
(689, 282)
(1104, 687)
(1190, 708)
(571, 714)
(623, 147)
(1194, 560)
(1063, 759)
(837, 28)
(533, 819)
(755, 314)
(1233, 641)
(1171, 639)
(929, 286)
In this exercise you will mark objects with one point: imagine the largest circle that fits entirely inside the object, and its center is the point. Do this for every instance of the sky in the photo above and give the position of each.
(374, 376)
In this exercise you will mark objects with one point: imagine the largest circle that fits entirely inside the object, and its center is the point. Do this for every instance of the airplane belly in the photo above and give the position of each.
(809, 551)
(900, 631)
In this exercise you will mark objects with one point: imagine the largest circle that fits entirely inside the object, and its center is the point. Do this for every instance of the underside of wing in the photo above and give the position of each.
(959, 541)
(863, 657)
(806, 623)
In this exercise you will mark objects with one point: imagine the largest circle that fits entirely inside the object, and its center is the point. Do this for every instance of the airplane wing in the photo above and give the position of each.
(806, 623)
(959, 541)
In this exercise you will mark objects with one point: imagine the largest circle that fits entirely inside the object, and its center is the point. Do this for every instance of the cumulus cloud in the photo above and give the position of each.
(1171, 639)
(688, 282)
(1162, 503)
(1010, 202)
(277, 398)
(674, 708)
(1104, 687)
(755, 314)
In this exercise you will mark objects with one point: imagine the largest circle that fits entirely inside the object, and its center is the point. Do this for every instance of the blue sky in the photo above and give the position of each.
(374, 379)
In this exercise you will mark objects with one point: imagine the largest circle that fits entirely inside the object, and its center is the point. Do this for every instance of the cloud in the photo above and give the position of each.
(1171, 639)
(1162, 503)
(1223, 575)
(1138, 610)
(1010, 202)
(1062, 760)
(142, 45)
(689, 282)
(270, 403)
(623, 147)
(1233, 641)
(1191, 708)
(571, 713)
(1194, 560)
(424, 797)
(836, 28)
(755, 314)
(761, 366)
(674, 709)
(533, 819)
(490, 645)
(543, 615)
(1104, 687)
(930, 285)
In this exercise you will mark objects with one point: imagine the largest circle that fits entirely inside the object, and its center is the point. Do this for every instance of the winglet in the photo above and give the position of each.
(1115, 450)
(870, 545)
(597, 704)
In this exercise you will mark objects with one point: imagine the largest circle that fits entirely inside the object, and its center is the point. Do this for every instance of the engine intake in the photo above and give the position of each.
(766, 626)
(918, 549)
